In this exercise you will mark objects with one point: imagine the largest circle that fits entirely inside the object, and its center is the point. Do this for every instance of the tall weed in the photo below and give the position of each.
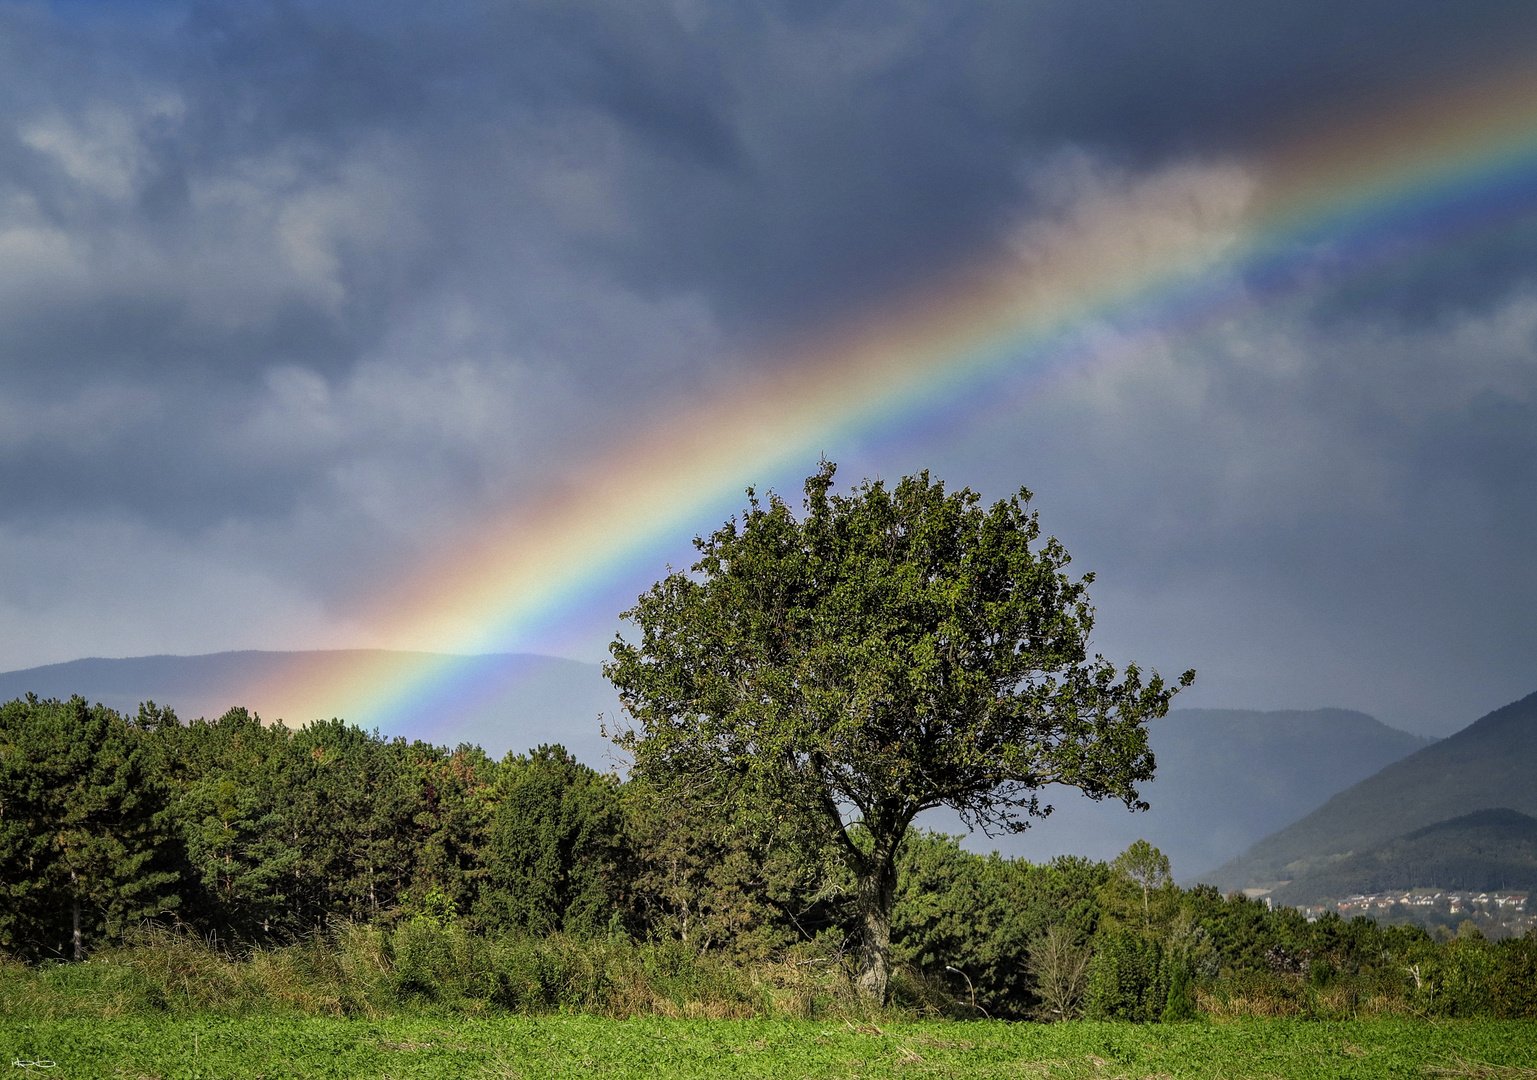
(424, 966)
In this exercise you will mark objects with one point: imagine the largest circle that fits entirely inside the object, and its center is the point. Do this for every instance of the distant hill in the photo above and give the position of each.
(1482, 851)
(1226, 778)
(1490, 764)
(523, 699)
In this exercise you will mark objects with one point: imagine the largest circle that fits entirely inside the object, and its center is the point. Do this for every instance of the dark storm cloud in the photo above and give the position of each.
(775, 160)
(872, 142)
(290, 291)
(781, 159)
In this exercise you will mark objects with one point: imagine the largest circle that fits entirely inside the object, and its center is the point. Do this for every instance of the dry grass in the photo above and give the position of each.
(1247, 1005)
(1477, 1070)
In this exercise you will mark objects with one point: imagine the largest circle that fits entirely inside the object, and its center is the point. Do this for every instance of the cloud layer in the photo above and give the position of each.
(291, 293)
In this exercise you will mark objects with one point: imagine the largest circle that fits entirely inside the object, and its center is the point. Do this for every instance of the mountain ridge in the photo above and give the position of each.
(1490, 764)
(1486, 850)
(526, 698)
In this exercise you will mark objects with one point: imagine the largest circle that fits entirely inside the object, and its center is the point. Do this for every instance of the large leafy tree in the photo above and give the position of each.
(890, 651)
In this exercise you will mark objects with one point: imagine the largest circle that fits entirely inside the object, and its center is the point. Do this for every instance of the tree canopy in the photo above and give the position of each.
(890, 651)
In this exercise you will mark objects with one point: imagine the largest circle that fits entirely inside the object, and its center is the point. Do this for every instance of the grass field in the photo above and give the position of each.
(580, 1046)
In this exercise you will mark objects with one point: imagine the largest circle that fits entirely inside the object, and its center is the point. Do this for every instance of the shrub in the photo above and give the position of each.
(1513, 985)
(1180, 1003)
(1058, 970)
(1126, 979)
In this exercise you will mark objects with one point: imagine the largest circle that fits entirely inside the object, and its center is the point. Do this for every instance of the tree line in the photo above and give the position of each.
(251, 835)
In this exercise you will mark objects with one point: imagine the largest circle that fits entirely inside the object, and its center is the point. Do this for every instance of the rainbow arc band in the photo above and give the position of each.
(1380, 187)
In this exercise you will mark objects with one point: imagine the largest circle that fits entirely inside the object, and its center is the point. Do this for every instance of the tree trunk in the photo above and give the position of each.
(74, 911)
(876, 895)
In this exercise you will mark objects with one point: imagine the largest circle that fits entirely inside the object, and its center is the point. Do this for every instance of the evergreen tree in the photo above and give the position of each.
(85, 820)
(556, 854)
(1180, 1004)
(716, 877)
(984, 915)
(239, 859)
(1126, 978)
(351, 815)
(452, 794)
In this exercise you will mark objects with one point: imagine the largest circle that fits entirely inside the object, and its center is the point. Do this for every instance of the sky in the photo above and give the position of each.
(300, 302)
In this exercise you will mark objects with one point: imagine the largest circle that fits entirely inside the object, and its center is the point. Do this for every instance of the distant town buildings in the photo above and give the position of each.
(1503, 910)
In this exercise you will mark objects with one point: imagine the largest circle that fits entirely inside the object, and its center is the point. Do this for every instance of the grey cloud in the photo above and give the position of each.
(291, 292)
(878, 141)
(106, 585)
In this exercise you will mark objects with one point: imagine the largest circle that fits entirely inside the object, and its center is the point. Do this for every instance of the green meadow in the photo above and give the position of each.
(584, 1046)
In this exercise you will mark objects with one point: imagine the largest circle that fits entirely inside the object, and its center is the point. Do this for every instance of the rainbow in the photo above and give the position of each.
(1163, 253)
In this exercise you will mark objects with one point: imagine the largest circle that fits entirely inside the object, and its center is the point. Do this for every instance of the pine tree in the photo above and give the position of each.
(452, 795)
(556, 852)
(83, 851)
(232, 824)
(350, 814)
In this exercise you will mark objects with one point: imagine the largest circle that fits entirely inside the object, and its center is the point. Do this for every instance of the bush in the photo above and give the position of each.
(1513, 986)
(1126, 979)
(1180, 1004)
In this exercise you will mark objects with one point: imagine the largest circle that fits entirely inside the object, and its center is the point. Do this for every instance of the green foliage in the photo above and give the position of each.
(891, 651)
(717, 877)
(333, 871)
(240, 858)
(557, 859)
(247, 832)
(1127, 979)
(285, 831)
(83, 818)
(417, 966)
(1180, 1002)
(1144, 869)
(982, 914)
(349, 811)
(1513, 985)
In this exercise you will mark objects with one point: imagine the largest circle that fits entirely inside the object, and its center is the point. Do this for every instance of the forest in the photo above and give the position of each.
(245, 839)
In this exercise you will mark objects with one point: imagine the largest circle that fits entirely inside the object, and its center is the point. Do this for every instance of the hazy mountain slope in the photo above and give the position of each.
(1491, 763)
(1481, 851)
(1226, 778)
(523, 699)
